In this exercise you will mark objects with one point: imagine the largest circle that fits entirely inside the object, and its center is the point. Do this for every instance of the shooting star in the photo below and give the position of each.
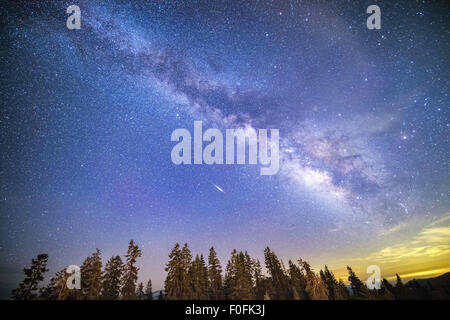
(218, 188)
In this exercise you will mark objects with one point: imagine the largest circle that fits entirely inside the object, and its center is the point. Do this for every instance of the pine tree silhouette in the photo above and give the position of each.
(28, 288)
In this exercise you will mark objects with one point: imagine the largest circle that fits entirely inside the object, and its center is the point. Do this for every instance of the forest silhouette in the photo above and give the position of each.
(194, 278)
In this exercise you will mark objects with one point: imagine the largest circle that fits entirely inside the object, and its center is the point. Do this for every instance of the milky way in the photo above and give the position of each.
(86, 118)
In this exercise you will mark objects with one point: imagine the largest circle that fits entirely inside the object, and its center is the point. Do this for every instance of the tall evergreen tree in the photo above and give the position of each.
(335, 290)
(27, 289)
(186, 257)
(298, 282)
(315, 287)
(57, 289)
(360, 291)
(204, 279)
(239, 277)
(343, 291)
(175, 279)
(387, 290)
(278, 276)
(400, 290)
(177, 283)
(260, 281)
(148, 290)
(229, 274)
(130, 274)
(399, 283)
(198, 279)
(140, 294)
(215, 276)
(91, 277)
(50, 291)
(111, 278)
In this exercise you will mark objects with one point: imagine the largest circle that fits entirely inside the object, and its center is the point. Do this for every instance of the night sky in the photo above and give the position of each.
(86, 117)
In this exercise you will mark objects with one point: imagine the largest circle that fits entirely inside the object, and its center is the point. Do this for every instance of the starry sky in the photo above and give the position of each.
(86, 117)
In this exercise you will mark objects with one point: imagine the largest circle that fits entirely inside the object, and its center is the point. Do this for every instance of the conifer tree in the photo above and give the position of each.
(343, 291)
(186, 257)
(229, 275)
(27, 289)
(399, 283)
(91, 277)
(383, 293)
(57, 289)
(186, 260)
(111, 279)
(315, 287)
(50, 291)
(215, 276)
(330, 286)
(177, 282)
(130, 274)
(193, 279)
(198, 279)
(250, 273)
(387, 290)
(148, 290)
(204, 280)
(298, 282)
(140, 295)
(400, 292)
(335, 291)
(360, 291)
(239, 277)
(175, 279)
(260, 282)
(277, 274)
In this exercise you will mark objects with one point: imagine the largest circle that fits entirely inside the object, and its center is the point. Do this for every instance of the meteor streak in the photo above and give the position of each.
(219, 188)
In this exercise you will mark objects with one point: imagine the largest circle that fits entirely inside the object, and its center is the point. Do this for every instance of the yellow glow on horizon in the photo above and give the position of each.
(422, 274)
(426, 255)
